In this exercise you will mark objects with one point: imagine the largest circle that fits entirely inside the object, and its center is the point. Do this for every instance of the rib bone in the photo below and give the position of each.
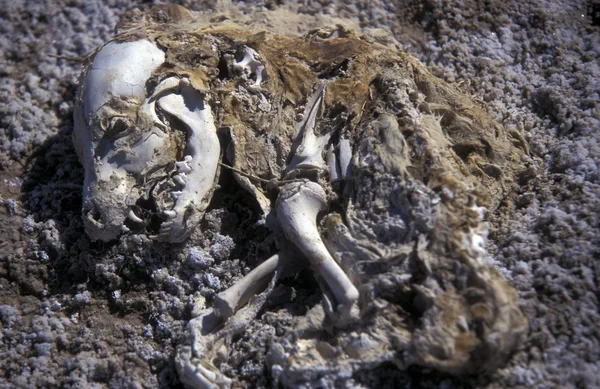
(345, 157)
(332, 162)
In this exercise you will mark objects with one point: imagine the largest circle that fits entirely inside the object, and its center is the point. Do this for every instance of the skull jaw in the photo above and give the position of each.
(104, 213)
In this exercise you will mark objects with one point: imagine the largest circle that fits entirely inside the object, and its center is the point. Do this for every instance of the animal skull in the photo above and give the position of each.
(331, 118)
(139, 143)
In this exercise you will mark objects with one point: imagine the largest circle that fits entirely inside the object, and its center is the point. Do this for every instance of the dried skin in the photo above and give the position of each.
(409, 231)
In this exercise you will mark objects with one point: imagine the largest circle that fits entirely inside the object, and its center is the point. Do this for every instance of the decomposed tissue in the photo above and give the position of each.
(374, 171)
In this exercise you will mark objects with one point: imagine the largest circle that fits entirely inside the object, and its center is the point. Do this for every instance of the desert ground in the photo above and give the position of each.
(82, 314)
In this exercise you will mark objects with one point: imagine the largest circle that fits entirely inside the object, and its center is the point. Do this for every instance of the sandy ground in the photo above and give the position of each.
(90, 315)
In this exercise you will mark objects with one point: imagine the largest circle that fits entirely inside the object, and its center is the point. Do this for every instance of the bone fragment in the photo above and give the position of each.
(193, 360)
(170, 214)
(148, 108)
(345, 157)
(332, 162)
(194, 374)
(230, 300)
(209, 335)
(131, 215)
(249, 65)
(308, 153)
(297, 208)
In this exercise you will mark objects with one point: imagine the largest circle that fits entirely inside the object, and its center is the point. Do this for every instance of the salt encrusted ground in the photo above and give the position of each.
(76, 314)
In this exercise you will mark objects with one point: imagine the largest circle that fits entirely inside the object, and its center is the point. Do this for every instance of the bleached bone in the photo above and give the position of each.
(297, 207)
(308, 152)
(120, 70)
(118, 73)
(339, 166)
(148, 109)
(209, 334)
(230, 300)
(204, 148)
(250, 65)
(132, 216)
(345, 157)
(332, 162)
(194, 371)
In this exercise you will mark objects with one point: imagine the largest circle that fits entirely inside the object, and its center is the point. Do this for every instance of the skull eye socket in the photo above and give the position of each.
(119, 127)
(224, 67)
(92, 213)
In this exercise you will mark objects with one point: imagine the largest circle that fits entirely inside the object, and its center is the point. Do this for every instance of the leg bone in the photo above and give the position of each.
(209, 332)
(297, 208)
(230, 300)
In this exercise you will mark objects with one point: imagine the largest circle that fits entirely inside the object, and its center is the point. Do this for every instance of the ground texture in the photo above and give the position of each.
(90, 315)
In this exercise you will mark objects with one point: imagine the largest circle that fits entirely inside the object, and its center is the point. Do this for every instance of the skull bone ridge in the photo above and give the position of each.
(407, 161)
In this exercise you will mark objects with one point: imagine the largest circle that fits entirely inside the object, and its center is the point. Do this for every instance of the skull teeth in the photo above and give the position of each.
(180, 179)
(183, 166)
(132, 216)
(175, 194)
(165, 229)
(170, 214)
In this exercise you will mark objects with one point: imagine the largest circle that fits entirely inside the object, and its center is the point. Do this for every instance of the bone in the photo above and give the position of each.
(297, 208)
(180, 179)
(203, 147)
(131, 215)
(334, 167)
(193, 365)
(345, 157)
(308, 154)
(166, 85)
(148, 108)
(170, 214)
(144, 151)
(201, 377)
(120, 69)
(209, 334)
(184, 166)
(230, 300)
(250, 65)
